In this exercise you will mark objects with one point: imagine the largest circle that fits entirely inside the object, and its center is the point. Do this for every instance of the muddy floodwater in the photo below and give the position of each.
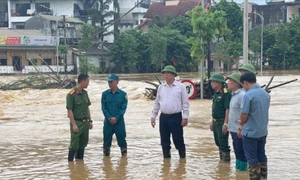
(34, 141)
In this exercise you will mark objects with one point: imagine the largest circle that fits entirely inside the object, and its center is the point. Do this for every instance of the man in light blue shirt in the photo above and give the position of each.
(254, 119)
(235, 108)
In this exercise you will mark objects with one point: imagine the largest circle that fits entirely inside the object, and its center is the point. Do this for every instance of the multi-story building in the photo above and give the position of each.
(135, 17)
(19, 11)
(3, 14)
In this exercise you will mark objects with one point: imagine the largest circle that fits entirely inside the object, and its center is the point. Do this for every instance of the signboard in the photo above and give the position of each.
(190, 88)
(39, 40)
(4, 40)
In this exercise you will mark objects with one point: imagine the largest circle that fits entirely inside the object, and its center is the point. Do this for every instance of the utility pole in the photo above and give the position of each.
(201, 66)
(65, 42)
(245, 37)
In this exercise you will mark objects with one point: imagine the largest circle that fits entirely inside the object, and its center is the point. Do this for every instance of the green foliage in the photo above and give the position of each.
(87, 32)
(233, 16)
(206, 26)
(63, 49)
(86, 67)
(101, 17)
(228, 52)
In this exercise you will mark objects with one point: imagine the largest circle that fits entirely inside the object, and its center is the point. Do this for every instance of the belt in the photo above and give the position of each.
(81, 120)
(220, 119)
(170, 114)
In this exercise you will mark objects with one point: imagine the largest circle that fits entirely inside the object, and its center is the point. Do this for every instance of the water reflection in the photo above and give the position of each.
(178, 173)
(120, 170)
(222, 171)
(78, 170)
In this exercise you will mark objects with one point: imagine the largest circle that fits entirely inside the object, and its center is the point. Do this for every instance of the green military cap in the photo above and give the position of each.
(169, 68)
(248, 67)
(217, 77)
(112, 77)
(236, 77)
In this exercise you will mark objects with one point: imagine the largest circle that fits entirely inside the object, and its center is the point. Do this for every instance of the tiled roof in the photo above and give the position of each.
(161, 10)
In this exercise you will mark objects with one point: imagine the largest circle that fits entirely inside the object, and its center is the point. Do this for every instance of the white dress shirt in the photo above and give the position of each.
(171, 99)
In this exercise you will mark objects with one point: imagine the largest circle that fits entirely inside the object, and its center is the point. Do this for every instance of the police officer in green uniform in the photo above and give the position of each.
(220, 112)
(78, 103)
(114, 104)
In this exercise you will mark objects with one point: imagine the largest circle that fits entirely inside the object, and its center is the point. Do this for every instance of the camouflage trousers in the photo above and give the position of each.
(258, 171)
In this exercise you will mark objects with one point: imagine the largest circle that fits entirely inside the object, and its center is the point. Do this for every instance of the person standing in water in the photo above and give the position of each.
(235, 107)
(172, 101)
(114, 104)
(78, 110)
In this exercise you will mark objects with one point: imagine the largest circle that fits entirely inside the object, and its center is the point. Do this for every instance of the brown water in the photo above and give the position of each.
(35, 136)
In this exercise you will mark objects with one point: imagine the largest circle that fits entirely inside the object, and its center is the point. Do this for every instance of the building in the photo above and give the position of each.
(20, 11)
(48, 25)
(135, 17)
(3, 14)
(292, 7)
(26, 51)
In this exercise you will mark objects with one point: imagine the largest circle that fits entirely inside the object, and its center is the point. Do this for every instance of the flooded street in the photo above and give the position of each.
(35, 136)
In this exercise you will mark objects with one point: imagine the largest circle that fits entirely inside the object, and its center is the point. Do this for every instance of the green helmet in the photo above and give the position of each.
(236, 77)
(248, 67)
(169, 68)
(218, 78)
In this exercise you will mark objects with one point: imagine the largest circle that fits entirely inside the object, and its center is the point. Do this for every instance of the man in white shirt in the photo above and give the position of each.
(172, 101)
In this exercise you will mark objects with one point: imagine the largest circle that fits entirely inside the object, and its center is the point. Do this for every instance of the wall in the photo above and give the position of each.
(292, 11)
(59, 7)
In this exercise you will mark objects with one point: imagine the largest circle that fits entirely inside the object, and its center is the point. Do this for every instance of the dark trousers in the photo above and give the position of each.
(238, 147)
(221, 139)
(255, 149)
(109, 130)
(171, 124)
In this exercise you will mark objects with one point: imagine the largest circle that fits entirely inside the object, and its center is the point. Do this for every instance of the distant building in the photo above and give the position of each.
(46, 24)
(135, 17)
(20, 11)
(22, 51)
(3, 14)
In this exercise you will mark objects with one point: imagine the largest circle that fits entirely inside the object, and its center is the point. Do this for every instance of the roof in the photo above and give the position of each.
(60, 18)
(19, 32)
(161, 10)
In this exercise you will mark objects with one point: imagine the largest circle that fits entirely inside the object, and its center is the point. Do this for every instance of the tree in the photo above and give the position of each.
(124, 51)
(206, 26)
(233, 16)
(87, 32)
(228, 52)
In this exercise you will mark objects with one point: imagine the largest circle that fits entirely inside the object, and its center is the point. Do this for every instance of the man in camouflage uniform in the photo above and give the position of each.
(114, 104)
(220, 112)
(78, 103)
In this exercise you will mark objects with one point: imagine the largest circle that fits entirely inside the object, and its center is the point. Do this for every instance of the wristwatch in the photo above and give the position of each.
(225, 124)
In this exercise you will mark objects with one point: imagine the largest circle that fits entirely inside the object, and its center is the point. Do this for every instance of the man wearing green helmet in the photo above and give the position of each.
(236, 87)
(247, 68)
(220, 111)
(172, 101)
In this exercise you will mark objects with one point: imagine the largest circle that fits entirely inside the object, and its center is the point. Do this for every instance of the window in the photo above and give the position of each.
(20, 26)
(34, 61)
(42, 7)
(3, 62)
(47, 61)
(21, 9)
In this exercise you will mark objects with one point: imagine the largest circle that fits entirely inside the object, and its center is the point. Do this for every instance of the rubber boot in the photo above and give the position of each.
(237, 164)
(166, 153)
(71, 155)
(264, 170)
(254, 172)
(226, 157)
(243, 166)
(106, 151)
(124, 151)
(182, 153)
(79, 154)
(221, 155)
